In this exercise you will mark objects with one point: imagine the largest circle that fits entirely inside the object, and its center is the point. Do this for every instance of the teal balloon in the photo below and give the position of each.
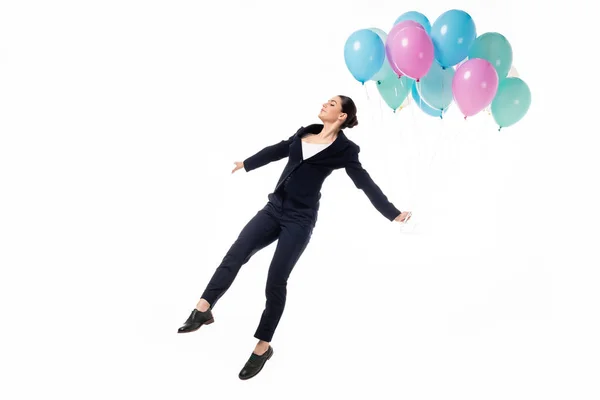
(511, 103)
(496, 49)
(435, 88)
(395, 90)
(364, 54)
(426, 108)
(417, 17)
(386, 69)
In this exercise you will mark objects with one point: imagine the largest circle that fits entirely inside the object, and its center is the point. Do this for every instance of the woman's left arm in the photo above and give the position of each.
(363, 181)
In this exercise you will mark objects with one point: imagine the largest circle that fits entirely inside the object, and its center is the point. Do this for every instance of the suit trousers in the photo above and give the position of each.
(291, 225)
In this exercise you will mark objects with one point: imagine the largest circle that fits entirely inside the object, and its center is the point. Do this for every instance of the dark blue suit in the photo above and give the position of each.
(290, 216)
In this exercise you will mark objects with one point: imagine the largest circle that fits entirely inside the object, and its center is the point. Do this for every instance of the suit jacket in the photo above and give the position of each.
(302, 180)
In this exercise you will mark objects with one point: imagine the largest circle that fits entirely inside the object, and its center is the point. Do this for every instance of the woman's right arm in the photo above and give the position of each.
(269, 154)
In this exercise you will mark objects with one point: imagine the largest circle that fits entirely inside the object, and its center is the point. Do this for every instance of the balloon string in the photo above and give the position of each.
(420, 95)
(414, 119)
(436, 145)
(373, 117)
(441, 135)
(380, 110)
(420, 156)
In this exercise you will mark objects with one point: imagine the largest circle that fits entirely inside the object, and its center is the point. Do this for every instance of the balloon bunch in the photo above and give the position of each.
(438, 64)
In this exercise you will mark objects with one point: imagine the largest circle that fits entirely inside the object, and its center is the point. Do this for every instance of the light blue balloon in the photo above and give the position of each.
(386, 71)
(364, 54)
(426, 108)
(452, 34)
(435, 87)
(417, 17)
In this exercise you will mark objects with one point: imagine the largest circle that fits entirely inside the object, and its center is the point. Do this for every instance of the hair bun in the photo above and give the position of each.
(352, 122)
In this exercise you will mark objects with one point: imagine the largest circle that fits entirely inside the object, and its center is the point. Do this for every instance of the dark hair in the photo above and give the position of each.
(349, 108)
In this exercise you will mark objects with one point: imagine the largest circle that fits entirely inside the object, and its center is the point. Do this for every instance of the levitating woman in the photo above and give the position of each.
(290, 216)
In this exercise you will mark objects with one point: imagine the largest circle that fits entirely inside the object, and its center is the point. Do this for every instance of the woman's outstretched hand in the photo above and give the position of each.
(403, 217)
(238, 165)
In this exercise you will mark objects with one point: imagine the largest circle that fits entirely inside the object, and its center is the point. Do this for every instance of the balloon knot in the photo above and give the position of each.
(418, 80)
(465, 117)
(499, 128)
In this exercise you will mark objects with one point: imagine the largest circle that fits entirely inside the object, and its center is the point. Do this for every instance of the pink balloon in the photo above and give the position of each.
(395, 29)
(474, 86)
(409, 50)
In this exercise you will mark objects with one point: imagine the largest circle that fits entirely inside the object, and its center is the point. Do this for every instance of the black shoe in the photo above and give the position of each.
(196, 320)
(254, 364)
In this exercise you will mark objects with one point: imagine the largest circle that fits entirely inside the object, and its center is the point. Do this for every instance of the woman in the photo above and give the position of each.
(290, 216)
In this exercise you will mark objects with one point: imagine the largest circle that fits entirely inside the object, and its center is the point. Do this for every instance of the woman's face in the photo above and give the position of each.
(332, 111)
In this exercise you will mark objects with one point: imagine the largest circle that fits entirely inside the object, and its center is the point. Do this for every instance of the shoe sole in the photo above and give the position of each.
(260, 369)
(210, 321)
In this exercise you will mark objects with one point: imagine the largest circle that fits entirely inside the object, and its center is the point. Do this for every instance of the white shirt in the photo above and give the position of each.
(310, 149)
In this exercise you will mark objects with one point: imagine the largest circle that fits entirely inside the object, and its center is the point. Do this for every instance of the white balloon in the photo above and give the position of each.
(513, 73)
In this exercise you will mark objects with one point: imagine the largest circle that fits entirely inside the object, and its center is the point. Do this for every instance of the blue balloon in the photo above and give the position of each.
(452, 34)
(426, 108)
(417, 17)
(364, 53)
(435, 87)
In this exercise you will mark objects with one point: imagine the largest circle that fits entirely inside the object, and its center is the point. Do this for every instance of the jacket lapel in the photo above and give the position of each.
(338, 144)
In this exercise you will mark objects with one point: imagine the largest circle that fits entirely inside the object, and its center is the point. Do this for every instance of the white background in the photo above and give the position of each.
(119, 125)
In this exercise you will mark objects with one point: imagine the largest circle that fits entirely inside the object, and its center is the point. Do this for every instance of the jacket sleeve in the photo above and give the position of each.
(363, 181)
(269, 154)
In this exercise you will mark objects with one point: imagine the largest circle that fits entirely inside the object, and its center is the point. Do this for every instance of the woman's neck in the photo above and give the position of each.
(329, 131)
